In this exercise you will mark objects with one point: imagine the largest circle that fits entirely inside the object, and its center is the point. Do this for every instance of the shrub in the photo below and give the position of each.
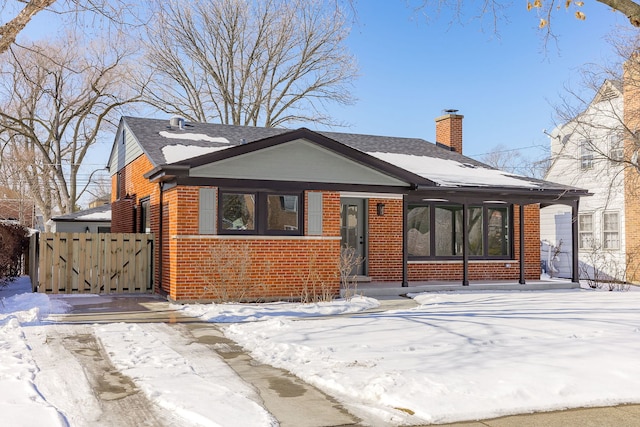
(14, 240)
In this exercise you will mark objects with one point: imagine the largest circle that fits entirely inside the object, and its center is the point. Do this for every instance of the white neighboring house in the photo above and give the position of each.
(94, 220)
(586, 153)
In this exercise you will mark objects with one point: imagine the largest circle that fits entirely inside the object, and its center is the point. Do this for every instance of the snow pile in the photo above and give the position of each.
(179, 152)
(20, 401)
(229, 313)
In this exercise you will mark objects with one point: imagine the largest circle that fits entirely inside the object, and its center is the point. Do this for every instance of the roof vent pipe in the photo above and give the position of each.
(177, 121)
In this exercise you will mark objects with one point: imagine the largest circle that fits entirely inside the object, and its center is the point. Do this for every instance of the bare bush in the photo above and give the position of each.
(228, 274)
(349, 261)
(314, 288)
(602, 270)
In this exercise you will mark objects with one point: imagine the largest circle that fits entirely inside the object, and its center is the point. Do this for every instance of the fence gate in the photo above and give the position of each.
(92, 263)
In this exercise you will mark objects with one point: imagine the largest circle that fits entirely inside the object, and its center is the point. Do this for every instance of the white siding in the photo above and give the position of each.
(124, 150)
(605, 179)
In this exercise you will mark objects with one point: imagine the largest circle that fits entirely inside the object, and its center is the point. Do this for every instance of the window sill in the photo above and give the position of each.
(459, 261)
(248, 237)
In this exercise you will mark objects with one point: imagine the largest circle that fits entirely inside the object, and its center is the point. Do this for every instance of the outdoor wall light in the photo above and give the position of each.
(380, 209)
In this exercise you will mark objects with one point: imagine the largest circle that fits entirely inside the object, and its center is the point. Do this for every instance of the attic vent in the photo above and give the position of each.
(469, 165)
(177, 121)
(608, 94)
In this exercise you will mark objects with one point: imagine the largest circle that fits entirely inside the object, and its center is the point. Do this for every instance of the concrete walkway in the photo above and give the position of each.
(290, 400)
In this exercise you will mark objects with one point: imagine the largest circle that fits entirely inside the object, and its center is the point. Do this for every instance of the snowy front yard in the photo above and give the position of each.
(456, 356)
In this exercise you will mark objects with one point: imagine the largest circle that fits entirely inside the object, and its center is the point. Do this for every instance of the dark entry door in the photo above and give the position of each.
(352, 229)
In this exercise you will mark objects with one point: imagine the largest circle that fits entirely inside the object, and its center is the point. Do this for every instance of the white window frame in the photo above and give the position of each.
(607, 232)
(586, 155)
(582, 232)
(616, 147)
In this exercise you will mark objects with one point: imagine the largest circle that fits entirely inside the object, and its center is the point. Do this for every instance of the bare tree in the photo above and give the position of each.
(112, 13)
(244, 62)
(55, 100)
(10, 30)
(600, 108)
(513, 160)
(545, 10)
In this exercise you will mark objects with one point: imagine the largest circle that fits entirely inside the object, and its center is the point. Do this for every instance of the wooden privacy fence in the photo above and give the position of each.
(92, 263)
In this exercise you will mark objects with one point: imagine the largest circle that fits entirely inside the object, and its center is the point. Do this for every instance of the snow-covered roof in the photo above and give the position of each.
(97, 214)
(452, 173)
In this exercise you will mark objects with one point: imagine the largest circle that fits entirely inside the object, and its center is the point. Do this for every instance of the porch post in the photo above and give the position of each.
(465, 245)
(575, 276)
(405, 254)
(521, 210)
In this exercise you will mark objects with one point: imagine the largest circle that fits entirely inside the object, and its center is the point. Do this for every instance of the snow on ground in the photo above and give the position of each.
(461, 356)
(20, 400)
(455, 356)
(230, 313)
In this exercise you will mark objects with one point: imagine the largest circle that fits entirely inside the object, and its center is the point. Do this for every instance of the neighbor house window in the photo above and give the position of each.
(585, 231)
(260, 213)
(488, 231)
(282, 212)
(586, 155)
(611, 230)
(616, 147)
(118, 184)
(145, 217)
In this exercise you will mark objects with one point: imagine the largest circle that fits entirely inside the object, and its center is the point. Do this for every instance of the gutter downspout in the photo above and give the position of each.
(465, 245)
(575, 262)
(522, 280)
(405, 252)
(160, 246)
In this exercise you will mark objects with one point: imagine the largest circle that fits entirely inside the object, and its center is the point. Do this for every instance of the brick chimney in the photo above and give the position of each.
(449, 130)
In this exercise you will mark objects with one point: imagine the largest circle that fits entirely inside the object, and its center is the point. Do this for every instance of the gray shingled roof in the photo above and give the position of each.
(147, 132)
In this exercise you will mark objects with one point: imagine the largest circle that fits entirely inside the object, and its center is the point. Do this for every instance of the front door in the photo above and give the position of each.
(352, 230)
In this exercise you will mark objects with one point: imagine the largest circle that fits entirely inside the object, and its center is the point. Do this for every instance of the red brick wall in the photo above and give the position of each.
(384, 260)
(123, 216)
(255, 268)
(136, 187)
(270, 267)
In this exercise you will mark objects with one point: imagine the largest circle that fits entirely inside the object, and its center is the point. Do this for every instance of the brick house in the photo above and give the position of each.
(413, 211)
(17, 207)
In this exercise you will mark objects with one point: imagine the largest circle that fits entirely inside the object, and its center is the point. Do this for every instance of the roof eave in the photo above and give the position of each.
(165, 173)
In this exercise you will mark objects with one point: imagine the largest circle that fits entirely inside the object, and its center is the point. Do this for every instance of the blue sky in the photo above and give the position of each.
(505, 85)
